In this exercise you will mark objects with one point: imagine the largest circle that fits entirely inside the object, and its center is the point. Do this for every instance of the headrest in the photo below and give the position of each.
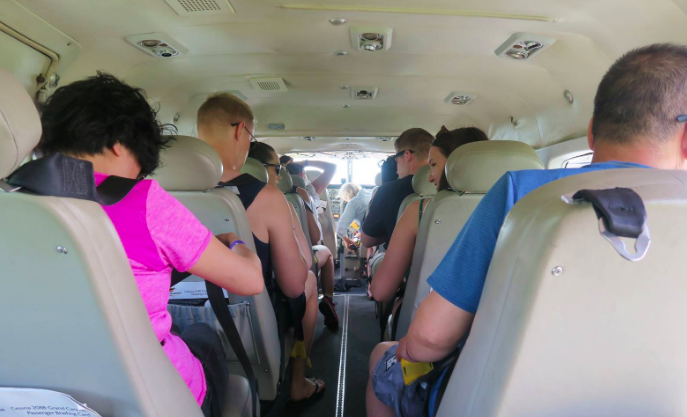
(475, 167)
(421, 184)
(20, 124)
(256, 169)
(188, 164)
(286, 183)
(298, 181)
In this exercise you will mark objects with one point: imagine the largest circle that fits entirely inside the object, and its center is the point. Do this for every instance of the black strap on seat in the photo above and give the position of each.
(621, 209)
(63, 176)
(177, 277)
(219, 306)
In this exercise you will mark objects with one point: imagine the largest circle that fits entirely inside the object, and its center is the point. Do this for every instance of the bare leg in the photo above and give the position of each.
(375, 407)
(325, 261)
(300, 387)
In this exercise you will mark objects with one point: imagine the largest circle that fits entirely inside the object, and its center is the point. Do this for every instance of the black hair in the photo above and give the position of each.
(262, 152)
(285, 159)
(448, 141)
(295, 169)
(642, 94)
(389, 170)
(89, 116)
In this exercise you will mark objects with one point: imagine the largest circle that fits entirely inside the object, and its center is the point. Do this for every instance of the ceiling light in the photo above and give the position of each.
(517, 54)
(165, 52)
(364, 93)
(338, 21)
(340, 53)
(371, 38)
(460, 99)
(150, 43)
(523, 45)
(371, 45)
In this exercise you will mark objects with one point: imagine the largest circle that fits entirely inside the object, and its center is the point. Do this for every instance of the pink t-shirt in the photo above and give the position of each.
(158, 234)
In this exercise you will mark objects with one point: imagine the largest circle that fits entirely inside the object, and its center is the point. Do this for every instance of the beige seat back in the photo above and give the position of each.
(568, 327)
(256, 169)
(191, 169)
(422, 187)
(73, 319)
(285, 184)
(299, 206)
(472, 169)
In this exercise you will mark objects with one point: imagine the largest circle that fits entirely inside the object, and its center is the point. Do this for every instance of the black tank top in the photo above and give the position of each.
(249, 187)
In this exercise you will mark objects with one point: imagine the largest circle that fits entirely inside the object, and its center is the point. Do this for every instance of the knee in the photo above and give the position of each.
(377, 354)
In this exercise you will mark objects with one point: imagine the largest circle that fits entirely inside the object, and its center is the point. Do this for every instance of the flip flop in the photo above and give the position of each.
(312, 397)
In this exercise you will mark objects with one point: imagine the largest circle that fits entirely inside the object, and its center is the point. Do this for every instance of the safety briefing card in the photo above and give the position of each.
(15, 402)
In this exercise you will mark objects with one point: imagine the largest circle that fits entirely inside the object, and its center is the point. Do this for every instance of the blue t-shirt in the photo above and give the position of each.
(460, 276)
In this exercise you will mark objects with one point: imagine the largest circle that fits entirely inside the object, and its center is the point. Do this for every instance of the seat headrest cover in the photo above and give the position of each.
(421, 184)
(188, 164)
(20, 124)
(256, 169)
(298, 181)
(286, 183)
(475, 167)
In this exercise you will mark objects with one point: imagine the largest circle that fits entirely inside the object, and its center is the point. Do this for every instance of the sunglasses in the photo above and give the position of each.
(401, 153)
(277, 167)
(252, 138)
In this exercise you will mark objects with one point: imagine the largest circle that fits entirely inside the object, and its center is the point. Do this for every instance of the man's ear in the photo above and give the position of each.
(237, 130)
(683, 142)
(590, 134)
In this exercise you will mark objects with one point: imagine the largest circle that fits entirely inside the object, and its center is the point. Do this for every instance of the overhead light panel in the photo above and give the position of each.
(460, 99)
(371, 38)
(522, 46)
(364, 93)
(276, 126)
(157, 44)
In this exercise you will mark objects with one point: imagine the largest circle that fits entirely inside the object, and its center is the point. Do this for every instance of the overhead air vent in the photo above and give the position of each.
(371, 38)
(276, 126)
(522, 46)
(460, 99)
(157, 44)
(309, 138)
(385, 138)
(273, 85)
(188, 8)
(364, 93)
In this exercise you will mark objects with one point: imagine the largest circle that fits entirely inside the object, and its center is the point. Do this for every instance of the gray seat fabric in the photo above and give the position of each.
(74, 319)
(256, 169)
(566, 326)
(422, 187)
(197, 166)
(328, 226)
(285, 184)
(448, 211)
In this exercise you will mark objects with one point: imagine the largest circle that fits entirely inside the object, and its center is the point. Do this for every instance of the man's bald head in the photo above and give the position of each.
(641, 96)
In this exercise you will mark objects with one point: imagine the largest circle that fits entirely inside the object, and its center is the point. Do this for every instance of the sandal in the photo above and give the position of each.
(314, 396)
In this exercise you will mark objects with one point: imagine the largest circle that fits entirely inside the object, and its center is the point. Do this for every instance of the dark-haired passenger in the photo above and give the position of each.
(636, 123)
(399, 254)
(226, 123)
(323, 256)
(110, 124)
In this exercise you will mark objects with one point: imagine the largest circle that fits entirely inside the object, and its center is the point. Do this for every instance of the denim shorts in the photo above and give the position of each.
(389, 387)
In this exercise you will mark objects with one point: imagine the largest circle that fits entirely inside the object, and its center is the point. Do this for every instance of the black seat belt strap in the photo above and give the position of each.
(221, 310)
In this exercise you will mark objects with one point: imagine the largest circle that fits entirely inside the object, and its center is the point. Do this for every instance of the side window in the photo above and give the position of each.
(578, 161)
